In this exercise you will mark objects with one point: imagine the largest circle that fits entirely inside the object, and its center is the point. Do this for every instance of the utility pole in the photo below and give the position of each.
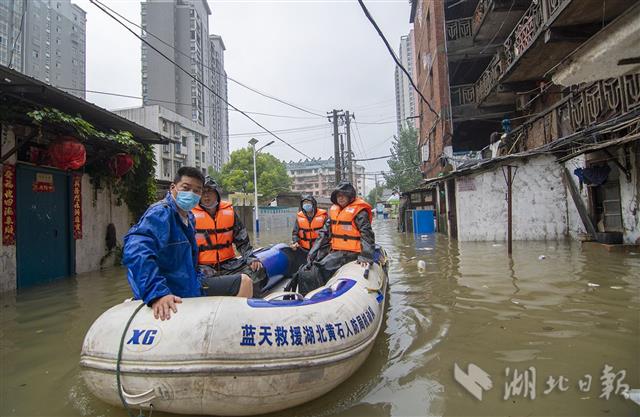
(508, 177)
(342, 159)
(347, 120)
(336, 144)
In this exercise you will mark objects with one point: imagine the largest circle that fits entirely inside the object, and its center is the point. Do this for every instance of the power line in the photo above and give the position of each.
(360, 141)
(213, 69)
(395, 58)
(106, 93)
(95, 3)
(291, 130)
(386, 122)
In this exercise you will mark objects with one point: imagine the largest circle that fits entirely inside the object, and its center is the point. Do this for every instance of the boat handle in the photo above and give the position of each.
(277, 295)
(137, 399)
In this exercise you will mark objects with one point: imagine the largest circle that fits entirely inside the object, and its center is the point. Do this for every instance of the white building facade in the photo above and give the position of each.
(317, 177)
(183, 26)
(190, 145)
(406, 104)
(45, 39)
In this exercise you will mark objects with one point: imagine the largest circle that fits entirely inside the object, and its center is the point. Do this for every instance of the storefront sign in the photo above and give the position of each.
(466, 184)
(76, 203)
(8, 205)
(43, 183)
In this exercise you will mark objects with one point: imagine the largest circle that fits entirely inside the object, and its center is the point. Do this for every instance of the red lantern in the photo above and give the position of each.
(120, 164)
(67, 153)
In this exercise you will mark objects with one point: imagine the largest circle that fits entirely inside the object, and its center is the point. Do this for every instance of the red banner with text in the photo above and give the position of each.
(8, 205)
(76, 192)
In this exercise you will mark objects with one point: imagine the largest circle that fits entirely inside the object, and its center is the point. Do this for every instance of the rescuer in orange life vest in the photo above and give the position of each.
(309, 222)
(348, 231)
(218, 228)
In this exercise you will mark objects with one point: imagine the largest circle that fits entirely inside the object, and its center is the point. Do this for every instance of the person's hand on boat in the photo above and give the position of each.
(163, 306)
(363, 263)
(294, 245)
(255, 265)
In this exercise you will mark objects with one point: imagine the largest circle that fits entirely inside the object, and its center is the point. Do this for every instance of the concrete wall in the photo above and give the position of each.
(630, 197)
(96, 215)
(539, 203)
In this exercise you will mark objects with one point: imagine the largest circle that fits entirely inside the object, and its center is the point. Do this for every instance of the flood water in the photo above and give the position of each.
(565, 316)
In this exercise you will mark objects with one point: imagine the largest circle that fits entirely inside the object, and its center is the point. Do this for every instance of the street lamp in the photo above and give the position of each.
(253, 142)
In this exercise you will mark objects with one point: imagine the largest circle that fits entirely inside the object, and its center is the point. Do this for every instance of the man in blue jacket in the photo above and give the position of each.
(161, 253)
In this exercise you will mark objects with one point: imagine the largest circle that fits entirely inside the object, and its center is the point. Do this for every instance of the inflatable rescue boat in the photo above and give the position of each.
(237, 356)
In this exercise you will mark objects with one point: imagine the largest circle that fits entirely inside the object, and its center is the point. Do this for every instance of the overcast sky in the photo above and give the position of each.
(319, 55)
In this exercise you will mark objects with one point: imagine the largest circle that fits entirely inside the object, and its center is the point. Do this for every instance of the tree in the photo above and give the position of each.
(404, 163)
(374, 195)
(237, 174)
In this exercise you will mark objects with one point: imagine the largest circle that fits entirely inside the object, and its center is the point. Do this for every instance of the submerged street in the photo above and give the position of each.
(553, 310)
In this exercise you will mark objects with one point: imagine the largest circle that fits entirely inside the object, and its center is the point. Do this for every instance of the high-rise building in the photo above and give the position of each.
(183, 26)
(405, 94)
(218, 112)
(45, 39)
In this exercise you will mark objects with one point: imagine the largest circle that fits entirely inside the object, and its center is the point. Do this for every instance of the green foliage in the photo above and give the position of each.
(137, 187)
(237, 174)
(405, 162)
(374, 195)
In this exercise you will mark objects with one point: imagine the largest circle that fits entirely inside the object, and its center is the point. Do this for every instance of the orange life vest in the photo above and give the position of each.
(308, 230)
(215, 236)
(344, 233)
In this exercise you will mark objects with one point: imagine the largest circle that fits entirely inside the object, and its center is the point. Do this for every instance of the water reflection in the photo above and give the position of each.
(567, 313)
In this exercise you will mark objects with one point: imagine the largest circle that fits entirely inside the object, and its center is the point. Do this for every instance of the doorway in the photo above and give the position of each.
(44, 249)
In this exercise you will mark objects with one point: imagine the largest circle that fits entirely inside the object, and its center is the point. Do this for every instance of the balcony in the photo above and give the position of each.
(547, 32)
(493, 20)
(592, 104)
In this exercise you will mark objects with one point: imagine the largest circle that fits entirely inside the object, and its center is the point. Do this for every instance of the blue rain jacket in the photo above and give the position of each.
(161, 254)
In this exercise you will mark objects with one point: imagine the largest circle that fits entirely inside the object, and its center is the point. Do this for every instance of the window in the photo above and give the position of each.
(184, 141)
(165, 126)
(177, 147)
(203, 156)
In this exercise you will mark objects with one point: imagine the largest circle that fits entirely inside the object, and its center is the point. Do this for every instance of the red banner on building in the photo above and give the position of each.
(76, 200)
(8, 205)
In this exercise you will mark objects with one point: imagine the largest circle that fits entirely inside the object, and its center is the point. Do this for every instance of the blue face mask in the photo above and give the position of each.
(308, 207)
(187, 200)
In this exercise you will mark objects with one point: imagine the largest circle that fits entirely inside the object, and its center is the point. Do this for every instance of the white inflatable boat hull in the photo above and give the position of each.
(233, 356)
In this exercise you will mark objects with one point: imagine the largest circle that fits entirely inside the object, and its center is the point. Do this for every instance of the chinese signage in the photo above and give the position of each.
(43, 183)
(523, 383)
(8, 205)
(76, 203)
(306, 335)
(466, 184)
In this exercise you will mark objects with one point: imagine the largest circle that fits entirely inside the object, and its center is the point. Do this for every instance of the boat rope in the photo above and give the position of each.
(118, 373)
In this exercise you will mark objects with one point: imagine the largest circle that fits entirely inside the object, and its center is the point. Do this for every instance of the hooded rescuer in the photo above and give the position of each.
(348, 232)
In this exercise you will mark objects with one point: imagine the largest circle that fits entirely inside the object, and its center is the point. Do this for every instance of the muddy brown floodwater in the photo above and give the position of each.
(554, 313)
